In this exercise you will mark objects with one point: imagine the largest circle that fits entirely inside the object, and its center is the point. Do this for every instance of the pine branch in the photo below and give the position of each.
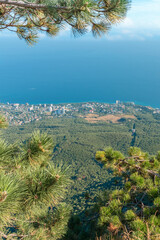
(25, 4)
(132, 210)
(151, 172)
(31, 190)
(28, 18)
(11, 236)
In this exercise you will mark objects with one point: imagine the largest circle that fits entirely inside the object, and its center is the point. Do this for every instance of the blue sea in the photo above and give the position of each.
(80, 70)
(123, 65)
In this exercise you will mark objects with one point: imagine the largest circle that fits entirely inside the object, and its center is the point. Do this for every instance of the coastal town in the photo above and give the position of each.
(19, 114)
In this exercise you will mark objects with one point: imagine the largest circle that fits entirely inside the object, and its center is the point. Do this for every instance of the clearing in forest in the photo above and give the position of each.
(93, 118)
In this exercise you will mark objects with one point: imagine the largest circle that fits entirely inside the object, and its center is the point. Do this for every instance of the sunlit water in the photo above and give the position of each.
(121, 66)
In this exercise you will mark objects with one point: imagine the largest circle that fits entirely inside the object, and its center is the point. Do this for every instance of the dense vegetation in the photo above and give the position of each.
(76, 144)
(31, 190)
(131, 211)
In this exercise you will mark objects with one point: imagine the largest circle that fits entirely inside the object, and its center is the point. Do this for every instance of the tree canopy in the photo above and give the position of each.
(28, 18)
(31, 190)
(132, 210)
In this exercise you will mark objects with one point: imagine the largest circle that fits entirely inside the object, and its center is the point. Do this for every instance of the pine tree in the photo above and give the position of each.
(32, 189)
(29, 17)
(132, 210)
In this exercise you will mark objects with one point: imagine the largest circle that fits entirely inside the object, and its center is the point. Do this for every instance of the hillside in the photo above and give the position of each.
(77, 140)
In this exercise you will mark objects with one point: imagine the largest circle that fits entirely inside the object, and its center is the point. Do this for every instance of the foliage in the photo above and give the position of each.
(76, 144)
(31, 191)
(28, 18)
(133, 210)
(3, 122)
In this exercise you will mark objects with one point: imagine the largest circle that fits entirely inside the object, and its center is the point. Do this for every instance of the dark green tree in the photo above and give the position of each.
(31, 190)
(28, 18)
(132, 210)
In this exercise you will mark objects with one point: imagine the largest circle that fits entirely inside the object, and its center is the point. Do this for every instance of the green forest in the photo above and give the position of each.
(76, 142)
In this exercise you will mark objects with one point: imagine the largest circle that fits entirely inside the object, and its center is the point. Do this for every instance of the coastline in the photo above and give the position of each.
(90, 101)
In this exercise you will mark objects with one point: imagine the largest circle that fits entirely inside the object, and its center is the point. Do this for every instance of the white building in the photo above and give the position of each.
(49, 109)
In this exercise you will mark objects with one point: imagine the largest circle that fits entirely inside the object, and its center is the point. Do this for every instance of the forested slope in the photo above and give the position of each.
(76, 142)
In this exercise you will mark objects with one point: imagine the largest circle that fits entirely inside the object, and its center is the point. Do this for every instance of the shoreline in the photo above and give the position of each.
(83, 102)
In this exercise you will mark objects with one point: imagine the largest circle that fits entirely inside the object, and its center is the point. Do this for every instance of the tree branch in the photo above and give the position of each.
(140, 168)
(30, 5)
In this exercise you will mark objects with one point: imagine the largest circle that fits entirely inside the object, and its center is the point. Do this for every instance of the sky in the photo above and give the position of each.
(123, 65)
(142, 22)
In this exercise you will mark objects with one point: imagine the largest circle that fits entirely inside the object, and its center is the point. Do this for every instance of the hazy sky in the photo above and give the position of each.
(122, 65)
(142, 22)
